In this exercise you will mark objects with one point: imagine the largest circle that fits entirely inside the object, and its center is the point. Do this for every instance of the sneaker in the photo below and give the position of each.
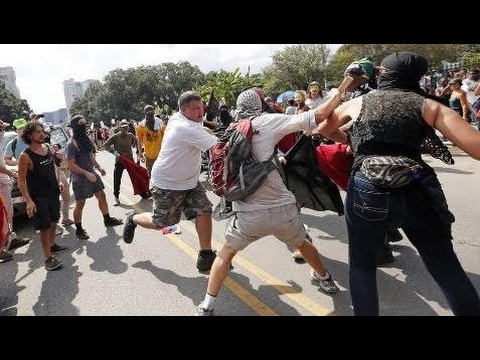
(327, 285)
(68, 222)
(111, 221)
(205, 260)
(129, 229)
(200, 311)
(52, 263)
(117, 202)
(5, 256)
(57, 249)
(298, 257)
(17, 243)
(58, 231)
(82, 235)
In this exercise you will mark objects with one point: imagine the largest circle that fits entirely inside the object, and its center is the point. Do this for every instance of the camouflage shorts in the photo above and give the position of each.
(169, 204)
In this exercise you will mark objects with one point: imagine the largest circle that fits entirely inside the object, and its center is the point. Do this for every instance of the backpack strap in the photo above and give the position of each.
(14, 145)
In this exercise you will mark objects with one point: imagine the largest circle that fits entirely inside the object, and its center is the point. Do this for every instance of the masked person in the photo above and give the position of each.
(389, 127)
(85, 181)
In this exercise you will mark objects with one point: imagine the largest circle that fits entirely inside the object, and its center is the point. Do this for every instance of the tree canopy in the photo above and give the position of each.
(12, 108)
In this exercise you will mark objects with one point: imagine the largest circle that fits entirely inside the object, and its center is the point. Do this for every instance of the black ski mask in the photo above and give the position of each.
(80, 135)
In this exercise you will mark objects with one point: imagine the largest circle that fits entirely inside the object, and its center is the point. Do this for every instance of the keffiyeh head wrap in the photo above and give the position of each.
(248, 105)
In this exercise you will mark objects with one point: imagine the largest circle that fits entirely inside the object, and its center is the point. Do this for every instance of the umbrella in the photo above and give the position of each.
(283, 97)
(138, 176)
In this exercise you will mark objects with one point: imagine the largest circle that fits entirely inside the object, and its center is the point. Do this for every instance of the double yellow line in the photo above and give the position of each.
(233, 286)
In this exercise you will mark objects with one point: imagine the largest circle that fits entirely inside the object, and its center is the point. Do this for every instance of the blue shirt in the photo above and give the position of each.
(18, 149)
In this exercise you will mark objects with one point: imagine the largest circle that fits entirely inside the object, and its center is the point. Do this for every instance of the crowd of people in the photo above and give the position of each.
(383, 115)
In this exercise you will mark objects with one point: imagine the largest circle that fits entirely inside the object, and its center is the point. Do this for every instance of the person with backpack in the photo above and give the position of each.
(272, 208)
(13, 150)
(175, 179)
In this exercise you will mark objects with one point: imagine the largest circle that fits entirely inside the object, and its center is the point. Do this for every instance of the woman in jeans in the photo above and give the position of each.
(392, 122)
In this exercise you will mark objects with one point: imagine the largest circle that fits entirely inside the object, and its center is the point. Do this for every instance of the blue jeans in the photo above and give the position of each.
(370, 211)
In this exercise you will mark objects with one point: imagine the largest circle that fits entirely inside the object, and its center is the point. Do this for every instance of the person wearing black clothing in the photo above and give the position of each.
(390, 125)
(38, 183)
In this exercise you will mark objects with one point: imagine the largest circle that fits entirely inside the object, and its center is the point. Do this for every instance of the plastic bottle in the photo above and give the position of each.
(173, 229)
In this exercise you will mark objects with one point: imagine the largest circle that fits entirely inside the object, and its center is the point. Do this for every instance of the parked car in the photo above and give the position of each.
(57, 136)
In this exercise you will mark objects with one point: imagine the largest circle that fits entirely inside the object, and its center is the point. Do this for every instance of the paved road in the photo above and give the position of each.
(156, 275)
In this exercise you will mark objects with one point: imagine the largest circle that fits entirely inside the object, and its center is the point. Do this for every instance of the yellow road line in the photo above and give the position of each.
(238, 290)
(281, 287)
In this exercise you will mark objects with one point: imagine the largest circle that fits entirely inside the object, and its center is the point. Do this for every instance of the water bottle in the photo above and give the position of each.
(173, 229)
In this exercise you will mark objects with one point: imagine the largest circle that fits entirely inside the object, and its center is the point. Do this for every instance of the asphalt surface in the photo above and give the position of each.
(156, 274)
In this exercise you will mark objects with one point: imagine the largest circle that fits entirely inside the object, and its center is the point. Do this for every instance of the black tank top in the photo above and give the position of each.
(41, 180)
(390, 123)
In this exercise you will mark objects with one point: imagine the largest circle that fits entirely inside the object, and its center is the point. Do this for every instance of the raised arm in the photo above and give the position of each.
(452, 126)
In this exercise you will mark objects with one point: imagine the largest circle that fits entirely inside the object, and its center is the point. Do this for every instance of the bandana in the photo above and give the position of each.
(248, 105)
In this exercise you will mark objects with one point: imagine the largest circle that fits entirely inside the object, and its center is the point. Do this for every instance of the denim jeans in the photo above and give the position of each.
(370, 211)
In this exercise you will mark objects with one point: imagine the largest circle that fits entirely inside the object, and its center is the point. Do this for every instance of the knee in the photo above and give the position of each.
(101, 195)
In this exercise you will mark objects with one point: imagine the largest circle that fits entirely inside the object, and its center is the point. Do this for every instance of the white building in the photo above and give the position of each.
(75, 89)
(8, 80)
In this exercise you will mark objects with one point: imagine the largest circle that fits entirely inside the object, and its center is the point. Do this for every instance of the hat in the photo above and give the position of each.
(123, 123)
(314, 84)
(363, 67)
(19, 123)
(147, 108)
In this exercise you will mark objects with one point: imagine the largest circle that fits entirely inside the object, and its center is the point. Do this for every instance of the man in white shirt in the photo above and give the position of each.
(175, 179)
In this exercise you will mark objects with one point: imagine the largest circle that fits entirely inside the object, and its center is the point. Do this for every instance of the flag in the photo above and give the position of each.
(139, 177)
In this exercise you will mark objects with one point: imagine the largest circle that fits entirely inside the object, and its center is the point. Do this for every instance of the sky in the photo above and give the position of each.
(40, 69)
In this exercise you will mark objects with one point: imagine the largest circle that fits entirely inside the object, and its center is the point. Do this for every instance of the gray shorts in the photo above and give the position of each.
(168, 205)
(283, 222)
(84, 188)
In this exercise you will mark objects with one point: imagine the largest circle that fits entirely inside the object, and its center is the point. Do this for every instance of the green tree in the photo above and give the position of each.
(434, 53)
(228, 85)
(11, 107)
(295, 67)
(124, 93)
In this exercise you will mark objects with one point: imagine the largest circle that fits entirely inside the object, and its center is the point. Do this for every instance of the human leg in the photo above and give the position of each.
(366, 214)
(117, 180)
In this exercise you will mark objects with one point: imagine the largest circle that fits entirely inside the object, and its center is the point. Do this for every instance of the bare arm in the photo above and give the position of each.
(464, 103)
(25, 164)
(477, 90)
(451, 125)
(10, 162)
(73, 167)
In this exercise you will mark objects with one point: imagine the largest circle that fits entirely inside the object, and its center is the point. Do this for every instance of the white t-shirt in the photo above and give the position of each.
(179, 163)
(271, 129)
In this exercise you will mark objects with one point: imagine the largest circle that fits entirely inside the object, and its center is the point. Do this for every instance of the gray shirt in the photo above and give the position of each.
(272, 128)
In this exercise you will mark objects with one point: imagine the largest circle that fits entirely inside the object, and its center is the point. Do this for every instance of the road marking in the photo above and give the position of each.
(238, 290)
(258, 306)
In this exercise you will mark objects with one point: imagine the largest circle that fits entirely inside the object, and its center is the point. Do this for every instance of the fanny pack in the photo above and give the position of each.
(390, 171)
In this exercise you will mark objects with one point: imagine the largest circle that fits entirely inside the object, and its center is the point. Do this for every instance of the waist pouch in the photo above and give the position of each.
(390, 171)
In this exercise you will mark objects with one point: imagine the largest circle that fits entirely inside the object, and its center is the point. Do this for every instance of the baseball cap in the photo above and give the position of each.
(19, 123)
(148, 107)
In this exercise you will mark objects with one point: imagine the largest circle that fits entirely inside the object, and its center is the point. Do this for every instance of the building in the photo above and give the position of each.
(75, 89)
(56, 117)
(8, 80)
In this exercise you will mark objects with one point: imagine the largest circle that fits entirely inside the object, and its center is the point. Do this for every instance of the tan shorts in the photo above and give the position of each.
(283, 222)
